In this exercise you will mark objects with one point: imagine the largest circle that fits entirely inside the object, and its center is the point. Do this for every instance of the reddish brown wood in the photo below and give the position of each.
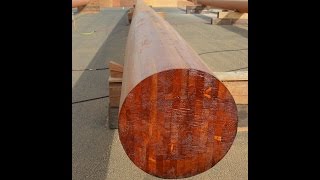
(176, 119)
(77, 3)
(238, 5)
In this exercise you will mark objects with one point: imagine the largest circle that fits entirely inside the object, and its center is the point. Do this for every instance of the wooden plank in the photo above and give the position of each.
(77, 3)
(115, 66)
(115, 91)
(176, 118)
(237, 5)
(229, 21)
(114, 101)
(116, 74)
(232, 76)
(162, 3)
(232, 15)
(239, 90)
(195, 9)
(113, 79)
(237, 83)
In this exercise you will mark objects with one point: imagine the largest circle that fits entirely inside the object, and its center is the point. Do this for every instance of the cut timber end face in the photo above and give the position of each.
(177, 123)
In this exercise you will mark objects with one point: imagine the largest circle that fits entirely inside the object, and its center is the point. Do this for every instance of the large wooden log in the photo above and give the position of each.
(77, 3)
(238, 5)
(176, 119)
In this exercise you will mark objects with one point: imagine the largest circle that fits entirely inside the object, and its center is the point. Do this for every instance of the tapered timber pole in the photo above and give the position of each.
(77, 3)
(176, 119)
(238, 5)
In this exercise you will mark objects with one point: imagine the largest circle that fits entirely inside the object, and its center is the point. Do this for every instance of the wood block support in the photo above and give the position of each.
(162, 14)
(194, 9)
(92, 7)
(236, 83)
(229, 18)
(115, 83)
(130, 14)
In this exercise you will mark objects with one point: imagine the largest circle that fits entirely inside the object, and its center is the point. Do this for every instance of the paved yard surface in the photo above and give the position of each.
(97, 153)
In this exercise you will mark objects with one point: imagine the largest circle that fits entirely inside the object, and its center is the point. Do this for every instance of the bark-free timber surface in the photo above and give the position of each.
(238, 5)
(77, 3)
(176, 119)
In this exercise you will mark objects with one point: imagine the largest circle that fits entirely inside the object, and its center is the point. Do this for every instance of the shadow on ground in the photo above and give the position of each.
(91, 136)
(232, 28)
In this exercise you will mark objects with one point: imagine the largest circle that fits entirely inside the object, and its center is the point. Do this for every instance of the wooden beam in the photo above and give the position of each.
(232, 76)
(236, 5)
(232, 15)
(115, 66)
(237, 83)
(115, 84)
(229, 18)
(130, 14)
(93, 6)
(116, 69)
(176, 119)
(194, 9)
(77, 3)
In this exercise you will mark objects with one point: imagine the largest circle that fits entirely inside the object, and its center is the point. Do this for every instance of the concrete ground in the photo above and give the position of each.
(97, 153)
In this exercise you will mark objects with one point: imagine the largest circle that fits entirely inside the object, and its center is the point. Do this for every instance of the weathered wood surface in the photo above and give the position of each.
(238, 5)
(176, 119)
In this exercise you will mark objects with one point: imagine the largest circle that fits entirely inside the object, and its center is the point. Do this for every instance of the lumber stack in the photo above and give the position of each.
(176, 119)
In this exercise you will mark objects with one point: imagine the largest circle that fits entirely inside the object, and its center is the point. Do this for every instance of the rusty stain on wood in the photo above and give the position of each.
(176, 119)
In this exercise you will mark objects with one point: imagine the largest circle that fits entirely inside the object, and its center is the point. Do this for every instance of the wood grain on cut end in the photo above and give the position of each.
(177, 123)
